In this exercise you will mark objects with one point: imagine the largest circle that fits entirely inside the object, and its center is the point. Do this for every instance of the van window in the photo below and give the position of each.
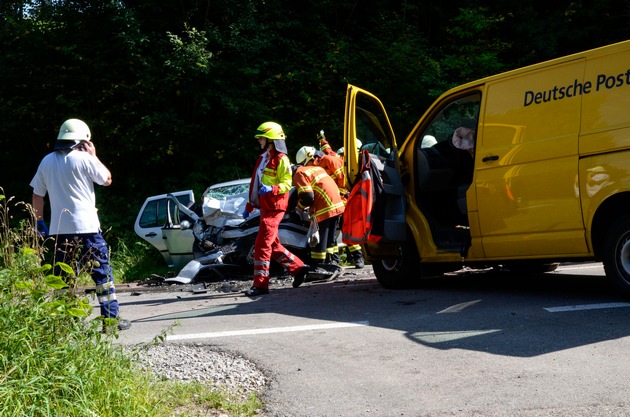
(372, 128)
(460, 113)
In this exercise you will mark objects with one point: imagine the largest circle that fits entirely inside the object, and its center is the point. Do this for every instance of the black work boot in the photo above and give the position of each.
(332, 259)
(359, 262)
(299, 278)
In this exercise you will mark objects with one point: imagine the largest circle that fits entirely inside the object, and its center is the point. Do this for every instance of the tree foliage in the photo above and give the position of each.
(173, 90)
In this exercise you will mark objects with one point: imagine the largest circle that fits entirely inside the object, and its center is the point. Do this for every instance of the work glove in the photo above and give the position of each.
(245, 214)
(264, 189)
(42, 229)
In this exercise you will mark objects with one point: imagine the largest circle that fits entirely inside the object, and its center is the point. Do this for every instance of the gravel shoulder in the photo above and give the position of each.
(225, 371)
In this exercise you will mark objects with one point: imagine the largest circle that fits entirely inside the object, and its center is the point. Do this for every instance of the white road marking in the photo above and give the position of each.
(586, 307)
(441, 337)
(589, 266)
(457, 308)
(267, 331)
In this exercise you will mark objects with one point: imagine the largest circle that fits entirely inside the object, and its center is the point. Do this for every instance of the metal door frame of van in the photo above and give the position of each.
(460, 235)
(394, 227)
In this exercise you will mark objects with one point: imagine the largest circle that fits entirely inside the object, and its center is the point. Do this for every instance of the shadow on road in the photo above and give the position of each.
(498, 313)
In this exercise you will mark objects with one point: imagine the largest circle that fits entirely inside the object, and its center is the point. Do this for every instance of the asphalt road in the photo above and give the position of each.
(477, 344)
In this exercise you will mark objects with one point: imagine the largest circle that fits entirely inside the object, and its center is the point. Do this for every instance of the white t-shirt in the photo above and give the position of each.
(68, 178)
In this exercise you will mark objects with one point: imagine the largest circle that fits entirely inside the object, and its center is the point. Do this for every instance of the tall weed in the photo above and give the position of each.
(54, 362)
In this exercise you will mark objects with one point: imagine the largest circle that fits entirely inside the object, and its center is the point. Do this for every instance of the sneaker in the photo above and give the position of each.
(256, 291)
(299, 278)
(124, 324)
(110, 325)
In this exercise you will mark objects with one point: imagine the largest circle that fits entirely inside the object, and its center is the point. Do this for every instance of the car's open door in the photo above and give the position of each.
(157, 218)
(367, 127)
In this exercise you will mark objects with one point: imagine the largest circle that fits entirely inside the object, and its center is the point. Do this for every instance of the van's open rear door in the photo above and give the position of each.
(367, 126)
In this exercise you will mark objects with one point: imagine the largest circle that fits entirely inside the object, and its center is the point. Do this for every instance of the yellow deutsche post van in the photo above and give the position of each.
(523, 169)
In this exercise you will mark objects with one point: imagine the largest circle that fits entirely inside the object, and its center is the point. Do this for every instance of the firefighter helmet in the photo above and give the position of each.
(305, 154)
(273, 131)
(356, 141)
(270, 130)
(71, 133)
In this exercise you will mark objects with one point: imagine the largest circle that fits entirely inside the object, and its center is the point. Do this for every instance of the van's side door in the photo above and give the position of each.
(527, 164)
(367, 121)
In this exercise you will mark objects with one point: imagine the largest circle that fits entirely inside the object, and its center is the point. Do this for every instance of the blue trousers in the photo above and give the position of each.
(89, 252)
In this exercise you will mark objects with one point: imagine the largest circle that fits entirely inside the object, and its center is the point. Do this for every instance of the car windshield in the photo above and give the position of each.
(224, 204)
(227, 191)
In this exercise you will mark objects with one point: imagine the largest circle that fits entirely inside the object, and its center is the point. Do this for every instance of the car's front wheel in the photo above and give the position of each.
(616, 254)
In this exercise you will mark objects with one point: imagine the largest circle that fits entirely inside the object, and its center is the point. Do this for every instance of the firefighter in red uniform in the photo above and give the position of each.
(355, 251)
(318, 191)
(269, 191)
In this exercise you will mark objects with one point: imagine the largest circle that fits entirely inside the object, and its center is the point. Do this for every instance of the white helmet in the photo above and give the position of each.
(305, 154)
(359, 144)
(71, 133)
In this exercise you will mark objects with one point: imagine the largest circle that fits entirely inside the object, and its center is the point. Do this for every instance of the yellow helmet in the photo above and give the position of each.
(273, 132)
(305, 154)
(270, 130)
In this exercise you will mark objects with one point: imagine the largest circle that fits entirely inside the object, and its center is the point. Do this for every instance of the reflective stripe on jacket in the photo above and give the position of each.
(333, 165)
(357, 222)
(317, 190)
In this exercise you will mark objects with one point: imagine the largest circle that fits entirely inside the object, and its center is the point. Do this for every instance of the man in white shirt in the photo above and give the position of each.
(68, 175)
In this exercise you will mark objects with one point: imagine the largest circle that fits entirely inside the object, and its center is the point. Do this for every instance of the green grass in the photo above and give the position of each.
(54, 362)
(133, 259)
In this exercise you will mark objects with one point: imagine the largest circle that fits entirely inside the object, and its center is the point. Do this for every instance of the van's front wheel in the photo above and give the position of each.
(397, 273)
(404, 271)
(616, 254)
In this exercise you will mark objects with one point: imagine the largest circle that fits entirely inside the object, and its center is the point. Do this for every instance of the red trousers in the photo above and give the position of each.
(268, 247)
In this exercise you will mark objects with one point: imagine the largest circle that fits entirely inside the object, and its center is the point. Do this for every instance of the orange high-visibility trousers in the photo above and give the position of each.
(268, 247)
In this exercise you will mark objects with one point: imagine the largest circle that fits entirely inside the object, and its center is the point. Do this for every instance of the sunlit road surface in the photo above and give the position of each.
(470, 344)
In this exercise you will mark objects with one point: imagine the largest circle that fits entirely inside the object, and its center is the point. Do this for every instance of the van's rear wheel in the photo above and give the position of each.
(616, 254)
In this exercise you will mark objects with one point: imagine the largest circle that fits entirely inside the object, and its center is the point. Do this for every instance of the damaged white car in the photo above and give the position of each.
(205, 241)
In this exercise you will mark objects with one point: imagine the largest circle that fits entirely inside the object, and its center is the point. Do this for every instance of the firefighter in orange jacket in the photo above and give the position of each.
(355, 251)
(332, 164)
(318, 191)
(269, 191)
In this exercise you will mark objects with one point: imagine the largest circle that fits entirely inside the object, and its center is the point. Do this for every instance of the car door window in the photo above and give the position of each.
(155, 212)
